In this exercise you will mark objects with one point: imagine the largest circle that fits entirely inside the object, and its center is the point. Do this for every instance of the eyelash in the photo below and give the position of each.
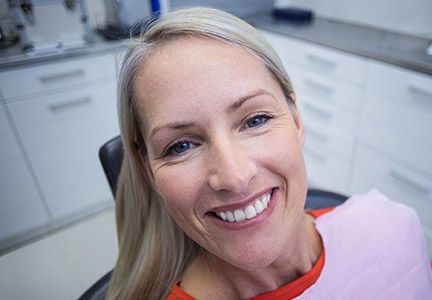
(260, 115)
(169, 151)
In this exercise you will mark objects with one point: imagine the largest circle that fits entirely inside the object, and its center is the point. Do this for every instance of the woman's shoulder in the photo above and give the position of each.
(372, 219)
(378, 241)
(373, 226)
(371, 210)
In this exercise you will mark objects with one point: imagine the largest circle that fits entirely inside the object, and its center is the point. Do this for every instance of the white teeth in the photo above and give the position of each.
(259, 207)
(239, 215)
(229, 216)
(264, 202)
(248, 213)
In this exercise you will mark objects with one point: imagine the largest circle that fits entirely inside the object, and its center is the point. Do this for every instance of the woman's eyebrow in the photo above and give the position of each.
(173, 125)
(236, 105)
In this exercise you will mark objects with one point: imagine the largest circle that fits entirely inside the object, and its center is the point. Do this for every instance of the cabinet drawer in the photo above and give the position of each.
(51, 109)
(69, 132)
(76, 188)
(328, 139)
(411, 87)
(55, 75)
(396, 181)
(20, 210)
(407, 119)
(328, 89)
(327, 171)
(318, 110)
(329, 61)
(407, 148)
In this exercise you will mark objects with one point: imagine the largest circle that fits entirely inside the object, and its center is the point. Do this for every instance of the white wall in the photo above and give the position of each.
(413, 17)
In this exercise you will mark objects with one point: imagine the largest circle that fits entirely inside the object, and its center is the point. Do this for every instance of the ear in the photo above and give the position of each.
(297, 118)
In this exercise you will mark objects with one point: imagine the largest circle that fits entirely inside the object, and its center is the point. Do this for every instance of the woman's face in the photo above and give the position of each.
(224, 149)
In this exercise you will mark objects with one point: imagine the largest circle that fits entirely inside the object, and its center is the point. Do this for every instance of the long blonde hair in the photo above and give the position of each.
(153, 250)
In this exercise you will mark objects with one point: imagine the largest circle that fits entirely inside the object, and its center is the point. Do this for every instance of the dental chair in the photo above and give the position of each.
(111, 156)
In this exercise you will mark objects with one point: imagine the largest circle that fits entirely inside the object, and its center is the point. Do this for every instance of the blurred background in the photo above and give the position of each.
(362, 71)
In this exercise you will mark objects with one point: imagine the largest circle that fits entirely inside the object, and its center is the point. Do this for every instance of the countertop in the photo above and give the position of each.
(14, 56)
(402, 50)
(399, 49)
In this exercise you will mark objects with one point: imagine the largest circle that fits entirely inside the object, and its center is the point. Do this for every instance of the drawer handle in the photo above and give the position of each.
(325, 114)
(319, 86)
(69, 103)
(316, 133)
(61, 75)
(321, 61)
(410, 182)
(419, 91)
(314, 154)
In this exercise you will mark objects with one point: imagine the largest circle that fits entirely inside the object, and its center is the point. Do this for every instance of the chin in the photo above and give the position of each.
(254, 257)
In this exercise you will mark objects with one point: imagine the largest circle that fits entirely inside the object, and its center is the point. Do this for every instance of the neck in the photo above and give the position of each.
(226, 281)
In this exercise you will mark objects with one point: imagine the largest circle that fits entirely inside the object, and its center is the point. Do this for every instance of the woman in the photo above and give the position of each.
(210, 203)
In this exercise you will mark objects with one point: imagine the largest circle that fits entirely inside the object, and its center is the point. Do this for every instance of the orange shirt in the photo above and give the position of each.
(288, 291)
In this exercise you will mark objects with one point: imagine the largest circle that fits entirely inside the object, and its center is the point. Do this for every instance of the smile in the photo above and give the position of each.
(249, 212)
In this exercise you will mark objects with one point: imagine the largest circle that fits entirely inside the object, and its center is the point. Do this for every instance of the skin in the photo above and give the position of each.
(218, 131)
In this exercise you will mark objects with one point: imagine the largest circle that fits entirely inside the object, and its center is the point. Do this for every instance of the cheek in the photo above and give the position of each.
(177, 188)
(285, 159)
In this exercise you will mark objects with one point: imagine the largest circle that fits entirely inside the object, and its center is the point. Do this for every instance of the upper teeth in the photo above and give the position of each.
(249, 212)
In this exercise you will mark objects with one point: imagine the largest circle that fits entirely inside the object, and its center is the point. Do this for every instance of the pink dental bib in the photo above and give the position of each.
(375, 249)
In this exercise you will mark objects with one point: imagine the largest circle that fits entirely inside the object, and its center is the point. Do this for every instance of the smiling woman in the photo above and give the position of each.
(210, 200)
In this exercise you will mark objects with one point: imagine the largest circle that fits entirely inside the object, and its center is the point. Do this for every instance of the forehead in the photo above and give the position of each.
(196, 74)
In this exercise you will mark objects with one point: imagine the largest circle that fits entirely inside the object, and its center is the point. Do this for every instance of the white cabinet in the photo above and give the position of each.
(61, 116)
(55, 75)
(395, 140)
(338, 64)
(368, 124)
(21, 207)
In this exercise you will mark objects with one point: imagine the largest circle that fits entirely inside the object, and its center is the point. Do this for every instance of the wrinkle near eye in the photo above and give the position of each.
(156, 166)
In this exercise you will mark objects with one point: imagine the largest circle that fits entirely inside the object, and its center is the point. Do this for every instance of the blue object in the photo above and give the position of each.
(293, 14)
(155, 7)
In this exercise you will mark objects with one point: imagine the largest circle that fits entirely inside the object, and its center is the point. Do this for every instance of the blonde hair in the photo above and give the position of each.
(153, 250)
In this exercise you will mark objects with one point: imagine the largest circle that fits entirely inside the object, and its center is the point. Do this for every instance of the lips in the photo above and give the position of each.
(250, 211)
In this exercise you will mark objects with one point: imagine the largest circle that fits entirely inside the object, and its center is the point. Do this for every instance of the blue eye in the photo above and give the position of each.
(180, 147)
(257, 120)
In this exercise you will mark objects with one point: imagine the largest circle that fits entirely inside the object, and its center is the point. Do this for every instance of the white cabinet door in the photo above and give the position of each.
(327, 89)
(337, 116)
(347, 67)
(21, 207)
(59, 114)
(411, 87)
(410, 120)
(80, 187)
(55, 75)
(62, 133)
(325, 138)
(404, 147)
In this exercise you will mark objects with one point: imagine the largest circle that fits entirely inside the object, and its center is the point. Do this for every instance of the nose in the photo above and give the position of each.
(230, 167)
